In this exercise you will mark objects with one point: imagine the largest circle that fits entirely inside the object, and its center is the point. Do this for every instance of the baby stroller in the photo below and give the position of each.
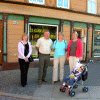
(83, 77)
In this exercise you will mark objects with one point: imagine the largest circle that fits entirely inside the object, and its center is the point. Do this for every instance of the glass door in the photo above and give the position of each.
(36, 31)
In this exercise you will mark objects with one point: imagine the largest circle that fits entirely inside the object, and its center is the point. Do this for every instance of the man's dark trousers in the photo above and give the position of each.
(44, 60)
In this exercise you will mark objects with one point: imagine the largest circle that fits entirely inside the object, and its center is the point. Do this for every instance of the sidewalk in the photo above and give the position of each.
(10, 86)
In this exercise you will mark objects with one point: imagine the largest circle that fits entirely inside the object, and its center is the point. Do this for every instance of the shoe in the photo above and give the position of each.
(23, 85)
(53, 82)
(68, 89)
(39, 82)
(60, 81)
(62, 86)
(44, 80)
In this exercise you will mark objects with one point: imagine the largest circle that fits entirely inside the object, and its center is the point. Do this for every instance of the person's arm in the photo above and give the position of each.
(78, 76)
(68, 49)
(80, 49)
(37, 48)
(30, 50)
(20, 51)
(66, 46)
(37, 45)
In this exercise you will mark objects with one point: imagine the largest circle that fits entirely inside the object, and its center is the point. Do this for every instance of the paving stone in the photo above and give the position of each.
(94, 92)
(10, 83)
(44, 91)
(60, 95)
(79, 94)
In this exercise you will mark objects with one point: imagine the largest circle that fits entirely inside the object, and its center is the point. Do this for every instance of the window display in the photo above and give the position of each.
(36, 32)
(97, 44)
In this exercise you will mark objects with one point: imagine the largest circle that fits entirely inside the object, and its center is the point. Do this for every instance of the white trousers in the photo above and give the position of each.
(73, 62)
(56, 62)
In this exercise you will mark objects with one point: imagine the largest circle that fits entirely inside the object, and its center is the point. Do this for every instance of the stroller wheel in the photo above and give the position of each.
(60, 90)
(63, 89)
(72, 93)
(75, 86)
(85, 89)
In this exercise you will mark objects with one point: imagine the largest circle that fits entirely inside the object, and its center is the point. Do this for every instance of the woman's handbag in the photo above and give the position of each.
(30, 58)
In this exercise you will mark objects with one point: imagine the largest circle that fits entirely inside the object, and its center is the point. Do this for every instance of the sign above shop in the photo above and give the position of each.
(15, 22)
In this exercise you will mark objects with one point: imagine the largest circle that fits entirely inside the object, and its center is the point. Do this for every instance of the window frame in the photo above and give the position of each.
(42, 25)
(63, 4)
(37, 2)
(91, 7)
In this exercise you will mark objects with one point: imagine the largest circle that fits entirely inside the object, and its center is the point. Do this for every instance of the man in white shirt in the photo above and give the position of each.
(44, 46)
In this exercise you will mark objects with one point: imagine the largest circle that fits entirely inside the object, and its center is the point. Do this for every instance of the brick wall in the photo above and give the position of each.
(98, 7)
(78, 5)
(66, 32)
(14, 33)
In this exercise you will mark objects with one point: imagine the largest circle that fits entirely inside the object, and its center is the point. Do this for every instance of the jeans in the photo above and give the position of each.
(71, 81)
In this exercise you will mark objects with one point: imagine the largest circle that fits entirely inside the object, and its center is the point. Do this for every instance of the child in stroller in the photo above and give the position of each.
(76, 75)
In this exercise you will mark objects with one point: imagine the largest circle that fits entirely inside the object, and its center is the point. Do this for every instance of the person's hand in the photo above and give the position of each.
(75, 78)
(26, 59)
(68, 58)
(80, 58)
(53, 49)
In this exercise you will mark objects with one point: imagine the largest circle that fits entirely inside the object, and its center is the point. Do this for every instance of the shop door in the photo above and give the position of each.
(36, 31)
(1, 41)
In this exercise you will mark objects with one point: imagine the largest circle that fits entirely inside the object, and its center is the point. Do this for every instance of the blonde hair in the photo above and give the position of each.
(75, 32)
(25, 34)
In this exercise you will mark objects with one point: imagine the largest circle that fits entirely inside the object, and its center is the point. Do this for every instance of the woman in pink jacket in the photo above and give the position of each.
(75, 51)
(24, 52)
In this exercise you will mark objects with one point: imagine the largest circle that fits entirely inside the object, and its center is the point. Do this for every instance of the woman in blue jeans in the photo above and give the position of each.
(75, 75)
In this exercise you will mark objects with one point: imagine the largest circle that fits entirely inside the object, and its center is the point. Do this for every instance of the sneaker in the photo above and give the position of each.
(62, 86)
(68, 89)
(44, 80)
(53, 82)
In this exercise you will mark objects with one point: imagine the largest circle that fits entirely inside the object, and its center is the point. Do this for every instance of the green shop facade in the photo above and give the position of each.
(12, 26)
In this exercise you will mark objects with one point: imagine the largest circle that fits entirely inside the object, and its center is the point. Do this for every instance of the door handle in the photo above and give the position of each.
(0, 50)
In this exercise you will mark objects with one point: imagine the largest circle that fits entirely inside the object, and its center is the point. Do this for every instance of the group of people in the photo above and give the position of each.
(72, 51)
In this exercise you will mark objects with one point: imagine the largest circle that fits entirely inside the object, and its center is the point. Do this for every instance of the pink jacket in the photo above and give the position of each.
(21, 50)
(79, 51)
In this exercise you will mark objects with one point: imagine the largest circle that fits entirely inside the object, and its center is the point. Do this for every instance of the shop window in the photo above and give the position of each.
(63, 3)
(36, 31)
(97, 43)
(92, 6)
(37, 1)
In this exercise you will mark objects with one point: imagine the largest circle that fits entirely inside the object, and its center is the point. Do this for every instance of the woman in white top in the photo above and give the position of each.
(24, 52)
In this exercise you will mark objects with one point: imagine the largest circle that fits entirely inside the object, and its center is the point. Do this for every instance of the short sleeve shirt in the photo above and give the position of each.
(44, 45)
(60, 48)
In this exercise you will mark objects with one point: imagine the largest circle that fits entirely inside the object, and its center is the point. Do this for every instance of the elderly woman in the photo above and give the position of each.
(60, 48)
(75, 51)
(24, 50)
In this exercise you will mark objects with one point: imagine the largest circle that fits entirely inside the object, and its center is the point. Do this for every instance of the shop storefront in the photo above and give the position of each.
(1, 35)
(96, 43)
(36, 31)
